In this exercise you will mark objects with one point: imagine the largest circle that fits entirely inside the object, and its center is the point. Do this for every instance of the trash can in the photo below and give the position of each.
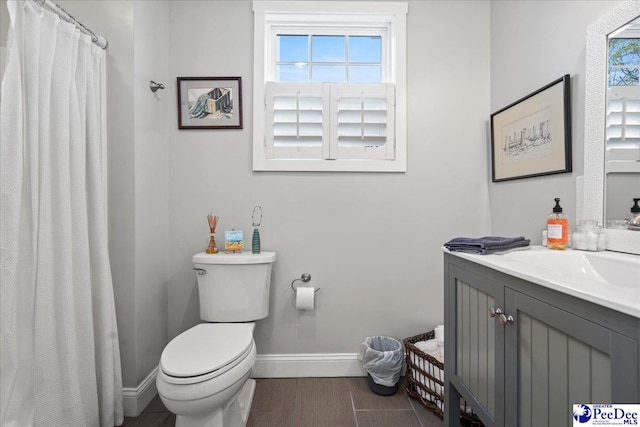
(382, 358)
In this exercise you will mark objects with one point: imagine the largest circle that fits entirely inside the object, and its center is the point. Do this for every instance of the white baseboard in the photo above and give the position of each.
(308, 365)
(134, 400)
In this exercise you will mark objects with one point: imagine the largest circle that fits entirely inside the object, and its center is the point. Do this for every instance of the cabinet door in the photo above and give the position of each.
(474, 367)
(556, 359)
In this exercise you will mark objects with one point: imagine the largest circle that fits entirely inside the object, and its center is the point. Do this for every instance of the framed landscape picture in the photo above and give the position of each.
(209, 103)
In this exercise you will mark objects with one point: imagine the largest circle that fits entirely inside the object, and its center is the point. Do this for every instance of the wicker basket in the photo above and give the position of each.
(425, 380)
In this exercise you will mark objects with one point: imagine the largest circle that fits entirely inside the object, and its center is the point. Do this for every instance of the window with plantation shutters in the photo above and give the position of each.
(623, 101)
(332, 76)
(623, 129)
(330, 121)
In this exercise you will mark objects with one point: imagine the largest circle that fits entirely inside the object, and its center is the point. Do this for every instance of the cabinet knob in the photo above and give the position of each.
(505, 319)
(494, 311)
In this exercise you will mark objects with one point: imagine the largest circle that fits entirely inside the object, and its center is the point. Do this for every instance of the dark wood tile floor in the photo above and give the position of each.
(315, 402)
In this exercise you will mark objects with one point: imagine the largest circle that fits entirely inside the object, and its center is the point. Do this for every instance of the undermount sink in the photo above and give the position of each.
(615, 269)
(617, 272)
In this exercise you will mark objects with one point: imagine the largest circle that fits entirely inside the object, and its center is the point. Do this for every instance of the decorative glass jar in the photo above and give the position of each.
(589, 237)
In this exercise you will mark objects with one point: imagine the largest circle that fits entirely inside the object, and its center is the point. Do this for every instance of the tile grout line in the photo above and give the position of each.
(410, 409)
(295, 401)
(353, 403)
(413, 408)
(415, 412)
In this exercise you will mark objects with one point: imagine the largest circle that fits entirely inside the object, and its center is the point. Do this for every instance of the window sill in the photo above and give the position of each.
(311, 165)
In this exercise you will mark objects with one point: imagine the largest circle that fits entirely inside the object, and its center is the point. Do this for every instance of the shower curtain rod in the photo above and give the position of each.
(98, 40)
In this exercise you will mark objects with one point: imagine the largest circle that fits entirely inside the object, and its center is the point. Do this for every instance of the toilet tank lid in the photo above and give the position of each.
(234, 258)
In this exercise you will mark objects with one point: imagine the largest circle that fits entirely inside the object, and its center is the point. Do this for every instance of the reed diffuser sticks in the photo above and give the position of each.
(213, 222)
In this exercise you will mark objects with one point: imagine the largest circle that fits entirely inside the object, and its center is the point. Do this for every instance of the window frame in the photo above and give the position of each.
(352, 18)
(385, 66)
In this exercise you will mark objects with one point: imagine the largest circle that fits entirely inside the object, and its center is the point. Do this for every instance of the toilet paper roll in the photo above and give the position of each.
(439, 332)
(305, 298)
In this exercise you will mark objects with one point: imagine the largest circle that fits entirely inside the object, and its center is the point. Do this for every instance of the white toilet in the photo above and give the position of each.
(203, 375)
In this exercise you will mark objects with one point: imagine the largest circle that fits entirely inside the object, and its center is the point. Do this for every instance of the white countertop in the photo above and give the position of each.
(610, 279)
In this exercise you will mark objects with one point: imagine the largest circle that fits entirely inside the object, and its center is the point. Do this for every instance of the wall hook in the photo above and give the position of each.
(155, 86)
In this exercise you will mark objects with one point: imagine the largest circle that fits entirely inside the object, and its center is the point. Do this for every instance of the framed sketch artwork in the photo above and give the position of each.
(532, 136)
(209, 103)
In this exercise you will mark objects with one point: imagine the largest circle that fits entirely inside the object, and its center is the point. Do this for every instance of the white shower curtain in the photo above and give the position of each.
(59, 353)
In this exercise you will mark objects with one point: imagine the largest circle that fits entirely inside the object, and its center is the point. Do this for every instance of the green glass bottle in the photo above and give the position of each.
(255, 242)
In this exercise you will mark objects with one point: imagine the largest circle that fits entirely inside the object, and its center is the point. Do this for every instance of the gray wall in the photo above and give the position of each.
(371, 241)
(534, 43)
(4, 30)
(151, 62)
(4, 23)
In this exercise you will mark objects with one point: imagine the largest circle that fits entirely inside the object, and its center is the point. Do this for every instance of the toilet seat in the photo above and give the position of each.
(206, 351)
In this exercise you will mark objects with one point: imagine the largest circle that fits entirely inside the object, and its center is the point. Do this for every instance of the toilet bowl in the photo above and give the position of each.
(203, 375)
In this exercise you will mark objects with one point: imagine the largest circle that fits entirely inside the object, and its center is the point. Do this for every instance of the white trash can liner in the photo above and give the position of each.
(382, 358)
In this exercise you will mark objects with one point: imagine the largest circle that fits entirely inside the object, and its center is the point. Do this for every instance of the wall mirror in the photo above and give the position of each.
(622, 124)
(610, 174)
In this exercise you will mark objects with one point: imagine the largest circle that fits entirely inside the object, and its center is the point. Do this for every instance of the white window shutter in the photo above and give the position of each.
(623, 130)
(330, 121)
(296, 121)
(363, 121)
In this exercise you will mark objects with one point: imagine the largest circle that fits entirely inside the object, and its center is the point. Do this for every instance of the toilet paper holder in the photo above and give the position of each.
(305, 278)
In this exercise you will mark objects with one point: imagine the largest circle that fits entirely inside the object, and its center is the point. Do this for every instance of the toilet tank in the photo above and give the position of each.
(234, 287)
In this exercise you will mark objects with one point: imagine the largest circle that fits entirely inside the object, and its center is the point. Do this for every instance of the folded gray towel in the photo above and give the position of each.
(486, 245)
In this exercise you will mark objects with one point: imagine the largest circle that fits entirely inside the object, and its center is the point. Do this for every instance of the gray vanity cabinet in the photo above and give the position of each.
(521, 354)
